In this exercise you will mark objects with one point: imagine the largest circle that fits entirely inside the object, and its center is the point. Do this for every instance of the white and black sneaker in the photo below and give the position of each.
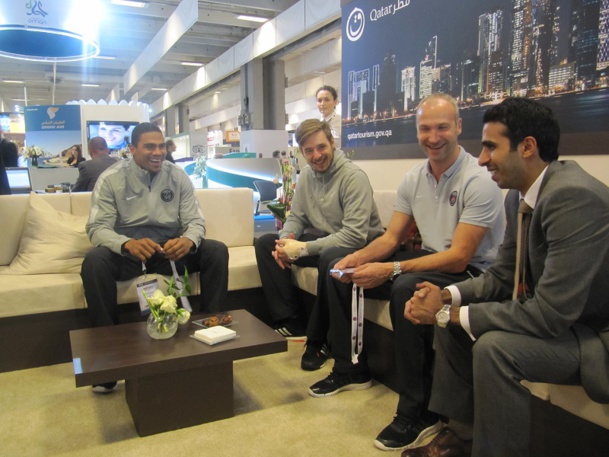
(291, 330)
(338, 382)
(402, 434)
(106, 388)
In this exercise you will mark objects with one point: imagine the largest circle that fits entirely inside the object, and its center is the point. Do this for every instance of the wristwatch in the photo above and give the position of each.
(443, 316)
(397, 270)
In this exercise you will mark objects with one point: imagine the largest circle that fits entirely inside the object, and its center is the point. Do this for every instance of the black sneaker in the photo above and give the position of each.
(291, 330)
(313, 357)
(402, 434)
(106, 388)
(336, 383)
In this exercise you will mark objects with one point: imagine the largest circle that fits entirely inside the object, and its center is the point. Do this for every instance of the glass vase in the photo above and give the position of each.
(163, 328)
(34, 161)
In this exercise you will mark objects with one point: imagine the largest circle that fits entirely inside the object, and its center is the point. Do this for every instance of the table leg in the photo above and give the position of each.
(170, 401)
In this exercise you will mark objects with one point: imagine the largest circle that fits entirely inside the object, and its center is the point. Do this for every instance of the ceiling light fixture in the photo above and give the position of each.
(130, 3)
(13, 81)
(247, 17)
(105, 57)
(159, 89)
(191, 64)
(89, 85)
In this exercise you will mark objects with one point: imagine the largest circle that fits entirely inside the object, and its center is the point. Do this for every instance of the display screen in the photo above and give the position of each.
(19, 179)
(116, 133)
(12, 122)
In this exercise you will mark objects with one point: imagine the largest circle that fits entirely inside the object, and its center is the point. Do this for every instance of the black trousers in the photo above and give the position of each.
(102, 268)
(413, 344)
(281, 296)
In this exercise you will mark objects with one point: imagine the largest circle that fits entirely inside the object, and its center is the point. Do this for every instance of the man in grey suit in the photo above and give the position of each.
(89, 170)
(557, 329)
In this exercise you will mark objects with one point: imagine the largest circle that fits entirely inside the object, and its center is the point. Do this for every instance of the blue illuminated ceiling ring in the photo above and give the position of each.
(45, 44)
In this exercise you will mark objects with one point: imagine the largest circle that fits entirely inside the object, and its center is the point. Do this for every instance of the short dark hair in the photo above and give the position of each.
(330, 89)
(523, 117)
(141, 128)
(97, 143)
(169, 143)
(310, 127)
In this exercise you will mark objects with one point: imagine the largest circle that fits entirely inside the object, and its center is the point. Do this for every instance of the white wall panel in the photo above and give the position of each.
(317, 11)
(244, 51)
(290, 23)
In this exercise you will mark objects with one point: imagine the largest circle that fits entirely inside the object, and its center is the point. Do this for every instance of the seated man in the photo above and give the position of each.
(332, 207)
(540, 313)
(144, 213)
(459, 213)
(89, 170)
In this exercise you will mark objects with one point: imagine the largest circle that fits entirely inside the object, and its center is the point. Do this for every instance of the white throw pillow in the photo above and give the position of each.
(52, 241)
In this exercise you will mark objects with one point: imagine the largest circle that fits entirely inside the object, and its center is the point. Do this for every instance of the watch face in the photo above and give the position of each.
(443, 316)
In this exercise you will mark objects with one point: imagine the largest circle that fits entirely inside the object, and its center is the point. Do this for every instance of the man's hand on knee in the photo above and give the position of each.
(177, 248)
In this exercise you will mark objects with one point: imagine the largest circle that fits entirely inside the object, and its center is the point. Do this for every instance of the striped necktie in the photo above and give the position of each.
(520, 272)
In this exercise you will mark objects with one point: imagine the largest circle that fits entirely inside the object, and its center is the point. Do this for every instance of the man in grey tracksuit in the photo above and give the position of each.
(144, 213)
(333, 214)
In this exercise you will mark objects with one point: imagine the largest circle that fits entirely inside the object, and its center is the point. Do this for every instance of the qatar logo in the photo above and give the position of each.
(355, 25)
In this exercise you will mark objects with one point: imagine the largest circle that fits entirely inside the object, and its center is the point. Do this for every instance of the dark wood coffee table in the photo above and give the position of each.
(174, 383)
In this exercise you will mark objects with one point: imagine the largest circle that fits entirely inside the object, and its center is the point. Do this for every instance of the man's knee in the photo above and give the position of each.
(213, 250)
(403, 289)
(96, 258)
(330, 256)
(490, 344)
(265, 244)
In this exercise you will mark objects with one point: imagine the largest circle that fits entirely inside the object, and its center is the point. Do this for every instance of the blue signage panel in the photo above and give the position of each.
(54, 128)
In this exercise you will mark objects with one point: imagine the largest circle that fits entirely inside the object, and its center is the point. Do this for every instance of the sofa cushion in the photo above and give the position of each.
(52, 241)
(242, 268)
(39, 293)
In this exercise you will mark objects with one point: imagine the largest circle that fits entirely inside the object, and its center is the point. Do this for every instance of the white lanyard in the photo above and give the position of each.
(357, 323)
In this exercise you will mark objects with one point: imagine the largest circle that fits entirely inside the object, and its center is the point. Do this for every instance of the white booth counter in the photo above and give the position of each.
(43, 177)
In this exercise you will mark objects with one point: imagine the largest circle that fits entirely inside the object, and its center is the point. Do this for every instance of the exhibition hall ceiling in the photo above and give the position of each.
(125, 32)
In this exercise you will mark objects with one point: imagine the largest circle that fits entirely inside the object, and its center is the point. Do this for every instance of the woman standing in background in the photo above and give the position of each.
(327, 100)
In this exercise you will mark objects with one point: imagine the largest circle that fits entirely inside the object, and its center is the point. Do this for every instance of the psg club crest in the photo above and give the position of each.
(453, 198)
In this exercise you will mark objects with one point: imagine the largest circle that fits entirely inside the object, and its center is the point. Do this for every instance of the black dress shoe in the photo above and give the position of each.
(445, 444)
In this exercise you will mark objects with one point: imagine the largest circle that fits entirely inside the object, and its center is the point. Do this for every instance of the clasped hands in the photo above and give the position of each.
(424, 304)
(144, 248)
(287, 250)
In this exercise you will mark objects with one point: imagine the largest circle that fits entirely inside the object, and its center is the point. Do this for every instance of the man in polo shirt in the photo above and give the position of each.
(459, 213)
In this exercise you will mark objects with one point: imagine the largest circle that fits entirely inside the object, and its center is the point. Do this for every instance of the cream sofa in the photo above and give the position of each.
(571, 398)
(47, 280)
(44, 241)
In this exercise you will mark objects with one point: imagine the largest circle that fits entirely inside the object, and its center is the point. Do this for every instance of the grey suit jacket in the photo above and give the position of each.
(569, 265)
(89, 171)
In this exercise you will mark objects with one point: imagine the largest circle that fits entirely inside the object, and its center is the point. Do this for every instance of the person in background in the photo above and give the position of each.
(459, 213)
(90, 170)
(170, 147)
(75, 156)
(116, 135)
(144, 211)
(332, 208)
(8, 151)
(327, 100)
(8, 158)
